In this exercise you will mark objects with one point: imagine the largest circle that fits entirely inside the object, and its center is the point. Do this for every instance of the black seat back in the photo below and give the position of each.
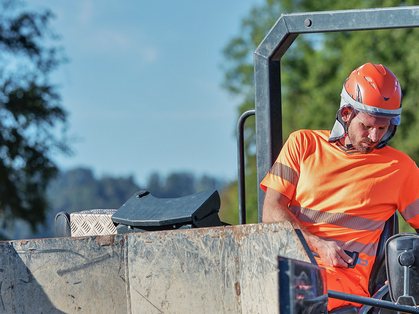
(378, 273)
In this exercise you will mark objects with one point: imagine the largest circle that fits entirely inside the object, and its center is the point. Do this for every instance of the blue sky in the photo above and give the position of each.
(143, 85)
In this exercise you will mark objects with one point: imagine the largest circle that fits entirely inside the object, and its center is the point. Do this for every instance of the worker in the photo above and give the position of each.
(339, 187)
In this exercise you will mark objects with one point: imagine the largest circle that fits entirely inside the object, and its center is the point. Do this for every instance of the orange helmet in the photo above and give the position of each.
(375, 90)
(374, 85)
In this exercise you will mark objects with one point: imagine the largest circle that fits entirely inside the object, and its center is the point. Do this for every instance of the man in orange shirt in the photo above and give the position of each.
(339, 187)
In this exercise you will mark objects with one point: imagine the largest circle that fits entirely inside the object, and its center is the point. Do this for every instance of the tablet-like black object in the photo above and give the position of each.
(143, 210)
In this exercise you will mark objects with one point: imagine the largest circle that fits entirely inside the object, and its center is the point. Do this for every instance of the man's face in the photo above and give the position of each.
(365, 131)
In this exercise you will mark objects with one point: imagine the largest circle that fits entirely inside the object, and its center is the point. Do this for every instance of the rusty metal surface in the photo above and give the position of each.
(209, 270)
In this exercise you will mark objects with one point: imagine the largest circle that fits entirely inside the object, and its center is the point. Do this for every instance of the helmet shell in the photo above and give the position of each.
(374, 85)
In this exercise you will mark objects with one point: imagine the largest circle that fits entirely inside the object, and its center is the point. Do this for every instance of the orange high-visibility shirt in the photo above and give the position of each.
(345, 196)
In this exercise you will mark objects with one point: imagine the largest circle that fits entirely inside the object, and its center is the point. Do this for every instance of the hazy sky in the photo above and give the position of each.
(143, 85)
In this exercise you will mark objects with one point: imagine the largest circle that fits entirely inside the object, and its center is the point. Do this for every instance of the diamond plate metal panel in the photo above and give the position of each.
(92, 222)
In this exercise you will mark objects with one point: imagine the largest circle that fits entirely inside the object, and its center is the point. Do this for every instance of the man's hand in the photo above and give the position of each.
(332, 254)
(275, 208)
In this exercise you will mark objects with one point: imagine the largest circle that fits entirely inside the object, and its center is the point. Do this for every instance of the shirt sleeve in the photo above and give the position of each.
(409, 208)
(285, 172)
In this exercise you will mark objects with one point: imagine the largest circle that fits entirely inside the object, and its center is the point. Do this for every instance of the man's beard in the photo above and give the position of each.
(357, 144)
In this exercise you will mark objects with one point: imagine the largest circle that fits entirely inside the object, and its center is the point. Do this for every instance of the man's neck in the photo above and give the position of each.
(345, 142)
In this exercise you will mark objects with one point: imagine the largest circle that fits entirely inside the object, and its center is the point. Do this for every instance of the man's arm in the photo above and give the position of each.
(275, 209)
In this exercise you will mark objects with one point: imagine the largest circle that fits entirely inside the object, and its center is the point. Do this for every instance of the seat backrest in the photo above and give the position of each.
(378, 273)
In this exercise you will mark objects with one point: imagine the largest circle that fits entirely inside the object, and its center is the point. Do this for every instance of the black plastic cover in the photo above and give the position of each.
(144, 210)
(402, 256)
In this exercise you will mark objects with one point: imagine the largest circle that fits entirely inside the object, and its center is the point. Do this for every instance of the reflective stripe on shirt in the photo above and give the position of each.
(411, 210)
(285, 172)
(369, 249)
(337, 219)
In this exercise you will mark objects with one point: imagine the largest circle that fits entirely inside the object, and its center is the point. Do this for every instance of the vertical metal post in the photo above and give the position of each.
(268, 118)
(241, 165)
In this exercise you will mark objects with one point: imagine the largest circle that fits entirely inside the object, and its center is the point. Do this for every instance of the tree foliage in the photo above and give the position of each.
(314, 68)
(78, 189)
(178, 184)
(30, 112)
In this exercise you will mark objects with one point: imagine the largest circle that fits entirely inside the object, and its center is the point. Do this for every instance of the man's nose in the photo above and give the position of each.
(373, 135)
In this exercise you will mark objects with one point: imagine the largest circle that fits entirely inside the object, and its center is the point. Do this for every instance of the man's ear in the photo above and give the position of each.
(346, 113)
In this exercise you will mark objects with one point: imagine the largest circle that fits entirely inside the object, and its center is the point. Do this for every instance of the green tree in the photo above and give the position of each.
(314, 69)
(30, 112)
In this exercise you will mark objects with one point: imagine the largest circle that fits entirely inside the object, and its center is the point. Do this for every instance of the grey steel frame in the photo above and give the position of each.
(241, 164)
(267, 58)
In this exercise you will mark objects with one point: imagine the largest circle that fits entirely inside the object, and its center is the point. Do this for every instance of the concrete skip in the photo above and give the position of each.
(230, 269)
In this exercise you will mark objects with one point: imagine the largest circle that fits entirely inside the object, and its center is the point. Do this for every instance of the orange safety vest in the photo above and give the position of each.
(345, 196)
